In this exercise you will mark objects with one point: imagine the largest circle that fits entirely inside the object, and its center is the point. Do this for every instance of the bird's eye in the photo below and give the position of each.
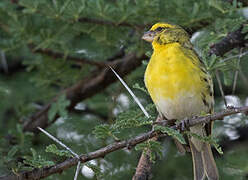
(159, 29)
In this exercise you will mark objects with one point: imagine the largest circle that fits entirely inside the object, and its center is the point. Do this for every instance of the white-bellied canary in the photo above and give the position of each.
(180, 87)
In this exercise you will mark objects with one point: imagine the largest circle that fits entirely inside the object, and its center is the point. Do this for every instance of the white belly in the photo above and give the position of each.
(182, 106)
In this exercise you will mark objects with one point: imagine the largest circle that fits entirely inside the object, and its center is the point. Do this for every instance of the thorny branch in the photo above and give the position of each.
(100, 153)
(79, 91)
(86, 88)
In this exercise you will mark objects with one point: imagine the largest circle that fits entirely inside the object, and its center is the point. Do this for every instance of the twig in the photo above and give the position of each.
(144, 167)
(243, 77)
(220, 87)
(236, 72)
(235, 56)
(45, 172)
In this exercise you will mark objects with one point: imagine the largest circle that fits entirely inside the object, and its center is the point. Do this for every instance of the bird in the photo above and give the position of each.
(180, 87)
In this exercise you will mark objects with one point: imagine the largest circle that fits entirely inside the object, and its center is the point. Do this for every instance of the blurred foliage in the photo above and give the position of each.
(151, 148)
(52, 148)
(97, 30)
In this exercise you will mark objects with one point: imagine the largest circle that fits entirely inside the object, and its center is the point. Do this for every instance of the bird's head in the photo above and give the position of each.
(163, 33)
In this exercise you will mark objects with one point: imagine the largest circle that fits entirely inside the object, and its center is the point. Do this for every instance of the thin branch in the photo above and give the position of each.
(243, 77)
(220, 87)
(57, 55)
(233, 40)
(144, 167)
(235, 56)
(100, 153)
(236, 72)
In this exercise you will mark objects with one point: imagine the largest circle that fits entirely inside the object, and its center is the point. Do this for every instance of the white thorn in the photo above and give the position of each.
(77, 170)
(58, 141)
(132, 94)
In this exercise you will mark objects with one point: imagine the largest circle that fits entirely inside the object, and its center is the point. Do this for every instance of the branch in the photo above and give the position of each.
(100, 153)
(144, 167)
(233, 40)
(57, 55)
(86, 88)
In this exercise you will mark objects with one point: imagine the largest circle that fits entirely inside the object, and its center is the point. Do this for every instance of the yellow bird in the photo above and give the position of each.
(180, 87)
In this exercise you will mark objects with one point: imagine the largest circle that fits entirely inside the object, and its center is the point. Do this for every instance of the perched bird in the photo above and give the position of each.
(180, 87)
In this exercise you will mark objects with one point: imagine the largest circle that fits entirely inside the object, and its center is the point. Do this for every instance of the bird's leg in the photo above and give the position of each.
(183, 125)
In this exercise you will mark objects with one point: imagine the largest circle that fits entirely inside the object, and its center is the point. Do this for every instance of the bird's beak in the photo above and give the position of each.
(149, 36)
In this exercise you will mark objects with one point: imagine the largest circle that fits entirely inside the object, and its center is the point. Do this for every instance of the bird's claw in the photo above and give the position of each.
(182, 125)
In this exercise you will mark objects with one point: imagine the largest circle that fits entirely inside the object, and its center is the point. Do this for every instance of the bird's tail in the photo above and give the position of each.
(203, 163)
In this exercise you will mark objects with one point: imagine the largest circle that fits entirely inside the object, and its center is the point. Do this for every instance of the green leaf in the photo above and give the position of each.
(171, 132)
(134, 118)
(195, 9)
(151, 148)
(13, 151)
(34, 154)
(52, 148)
(59, 107)
(145, 62)
(208, 139)
(102, 131)
(148, 53)
(219, 5)
(37, 161)
(137, 86)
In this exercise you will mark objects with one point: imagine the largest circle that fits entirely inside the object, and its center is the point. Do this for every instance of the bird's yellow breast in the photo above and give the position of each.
(173, 81)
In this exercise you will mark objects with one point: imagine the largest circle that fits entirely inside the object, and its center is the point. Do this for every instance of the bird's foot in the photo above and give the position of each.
(182, 125)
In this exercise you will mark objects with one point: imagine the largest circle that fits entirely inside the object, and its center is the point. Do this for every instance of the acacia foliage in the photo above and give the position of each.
(96, 31)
